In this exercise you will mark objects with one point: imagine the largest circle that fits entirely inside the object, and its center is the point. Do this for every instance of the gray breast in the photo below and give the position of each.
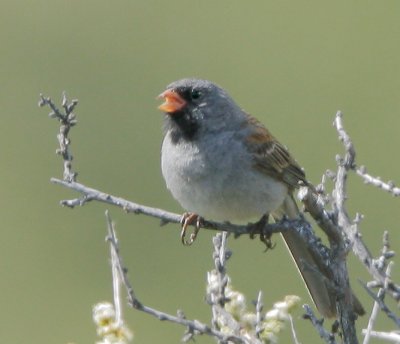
(215, 179)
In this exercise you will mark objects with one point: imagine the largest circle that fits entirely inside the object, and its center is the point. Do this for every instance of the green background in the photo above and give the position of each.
(290, 63)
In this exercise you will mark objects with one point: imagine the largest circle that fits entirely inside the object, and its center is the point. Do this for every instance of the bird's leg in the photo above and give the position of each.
(258, 228)
(186, 220)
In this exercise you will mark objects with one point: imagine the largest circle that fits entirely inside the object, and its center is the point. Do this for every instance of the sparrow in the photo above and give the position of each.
(222, 164)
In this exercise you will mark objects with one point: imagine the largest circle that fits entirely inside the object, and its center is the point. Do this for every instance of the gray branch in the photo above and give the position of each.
(350, 228)
(91, 194)
(376, 181)
(67, 120)
(318, 324)
(380, 296)
(386, 336)
(194, 326)
(349, 231)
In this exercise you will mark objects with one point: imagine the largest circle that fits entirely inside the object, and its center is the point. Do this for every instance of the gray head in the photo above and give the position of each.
(193, 106)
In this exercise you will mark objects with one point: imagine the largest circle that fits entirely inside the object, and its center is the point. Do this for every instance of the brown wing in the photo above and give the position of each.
(271, 157)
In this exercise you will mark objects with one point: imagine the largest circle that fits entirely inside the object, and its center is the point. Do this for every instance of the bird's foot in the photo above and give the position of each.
(264, 238)
(188, 219)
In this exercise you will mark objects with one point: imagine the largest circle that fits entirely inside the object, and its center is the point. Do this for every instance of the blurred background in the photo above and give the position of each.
(292, 64)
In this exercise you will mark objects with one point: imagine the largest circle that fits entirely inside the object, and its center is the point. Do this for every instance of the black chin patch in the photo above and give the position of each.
(182, 126)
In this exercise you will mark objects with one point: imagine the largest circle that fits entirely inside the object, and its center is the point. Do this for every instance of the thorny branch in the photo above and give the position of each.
(380, 296)
(386, 336)
(67, 120)
(380, 302)
(231, 322)
(341, 230)
(351, 227)
(344, 303)
(376, 181)
(193, 326)
(90, 194)
(318, 325)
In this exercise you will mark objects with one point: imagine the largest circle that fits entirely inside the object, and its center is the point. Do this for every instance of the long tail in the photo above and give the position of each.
(315, 277)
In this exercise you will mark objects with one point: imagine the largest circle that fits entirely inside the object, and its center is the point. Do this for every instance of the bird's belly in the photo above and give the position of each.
(233, 199)
(224, 192)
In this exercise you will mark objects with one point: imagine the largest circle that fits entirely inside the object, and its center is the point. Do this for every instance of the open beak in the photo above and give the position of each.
(173, 102)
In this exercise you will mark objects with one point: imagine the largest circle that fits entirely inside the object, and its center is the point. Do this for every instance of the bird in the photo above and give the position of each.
(221, 163)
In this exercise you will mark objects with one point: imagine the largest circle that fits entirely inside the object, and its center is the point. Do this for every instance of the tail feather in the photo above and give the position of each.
(316, 278)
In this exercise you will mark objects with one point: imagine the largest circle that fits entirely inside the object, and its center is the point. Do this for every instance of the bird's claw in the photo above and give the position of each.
(265, 238)
(186, 220)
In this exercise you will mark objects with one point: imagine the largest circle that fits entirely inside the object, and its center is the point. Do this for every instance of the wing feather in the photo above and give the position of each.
(271, 157)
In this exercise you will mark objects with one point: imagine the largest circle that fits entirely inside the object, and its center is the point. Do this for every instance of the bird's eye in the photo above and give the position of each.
(195, 94)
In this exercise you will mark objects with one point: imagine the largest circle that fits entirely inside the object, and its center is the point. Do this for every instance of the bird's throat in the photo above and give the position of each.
(182, 126)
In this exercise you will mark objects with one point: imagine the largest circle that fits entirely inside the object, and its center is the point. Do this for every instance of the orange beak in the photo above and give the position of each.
(173, 102)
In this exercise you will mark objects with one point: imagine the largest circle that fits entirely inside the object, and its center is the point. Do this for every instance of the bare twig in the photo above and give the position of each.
(91, 194)
(216, 287)
(315, 206)
(318, 325)
(259, 313)
(388, 336)
(294, 334)
(384, 308)
(194, 325)
(327, 221)
(115, 271)
(376, 181)
(380, 296)
(351, 229)
(67, 120)
(386, 254)
(117, 259)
